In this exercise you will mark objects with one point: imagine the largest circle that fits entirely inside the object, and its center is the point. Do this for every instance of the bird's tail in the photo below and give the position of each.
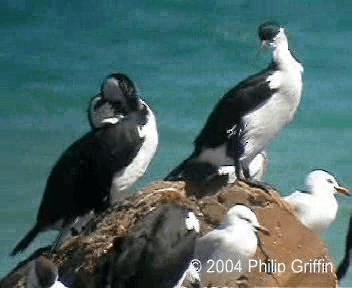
(23, 244)
(345, 263)
(177, 173)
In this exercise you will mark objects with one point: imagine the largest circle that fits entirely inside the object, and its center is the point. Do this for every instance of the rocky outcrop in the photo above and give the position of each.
(287, 257)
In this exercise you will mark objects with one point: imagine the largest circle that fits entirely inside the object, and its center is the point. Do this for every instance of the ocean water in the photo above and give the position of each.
(183, 56)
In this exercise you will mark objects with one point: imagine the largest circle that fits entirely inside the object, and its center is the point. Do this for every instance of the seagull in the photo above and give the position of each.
(345, 263)
(158, 249)
(316, 208)
(250, 115)
(98, 169)
(43, 274)
(235, 239)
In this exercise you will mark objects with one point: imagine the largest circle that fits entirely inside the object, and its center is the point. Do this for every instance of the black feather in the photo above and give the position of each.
(237, 102)
(156, 252)
(268, 30)
(345, 263)
(81, 179)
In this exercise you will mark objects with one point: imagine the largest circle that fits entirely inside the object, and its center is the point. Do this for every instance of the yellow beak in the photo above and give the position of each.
(262, 229)
(342, 190)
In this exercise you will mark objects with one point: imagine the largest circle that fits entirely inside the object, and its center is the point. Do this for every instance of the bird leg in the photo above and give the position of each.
(243, 175)
(258, 184)
(79, 225)
(246, 177)
(63, 235)
(236, 144)
(239, 171)
(72, 228)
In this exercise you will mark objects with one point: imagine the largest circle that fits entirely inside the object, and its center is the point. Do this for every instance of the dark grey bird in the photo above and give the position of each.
(158, 250)
(43, 274)
(248, 117)
(98, 169)
(345, 263)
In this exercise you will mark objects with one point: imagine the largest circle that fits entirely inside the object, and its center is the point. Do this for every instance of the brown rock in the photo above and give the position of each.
(85, 259)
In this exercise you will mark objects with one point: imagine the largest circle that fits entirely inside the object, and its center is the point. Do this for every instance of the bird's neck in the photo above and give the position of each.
(283, 58)
(322, 194)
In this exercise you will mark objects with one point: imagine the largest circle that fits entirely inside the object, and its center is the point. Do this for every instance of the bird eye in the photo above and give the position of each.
(330, 181)
(245, 219)
(117, 107)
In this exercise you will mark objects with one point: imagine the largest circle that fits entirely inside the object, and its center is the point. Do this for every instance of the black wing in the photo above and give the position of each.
(243, 98)
(345, 263)
(81, 179)
(156, 252)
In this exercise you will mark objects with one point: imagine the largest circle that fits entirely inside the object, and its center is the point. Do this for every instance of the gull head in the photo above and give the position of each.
(322, 183)
(243, 214)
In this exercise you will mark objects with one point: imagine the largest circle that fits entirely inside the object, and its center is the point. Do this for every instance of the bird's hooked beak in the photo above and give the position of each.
(263, 44)
(112, 120)
(262, 229)
(342, 190)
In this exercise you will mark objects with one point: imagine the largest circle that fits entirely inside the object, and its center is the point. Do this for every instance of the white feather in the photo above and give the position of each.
(124, 179)
(317, 208)
(235, 239)
(192, 223)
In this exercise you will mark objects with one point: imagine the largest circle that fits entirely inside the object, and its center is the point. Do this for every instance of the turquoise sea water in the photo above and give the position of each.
(183, 55)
